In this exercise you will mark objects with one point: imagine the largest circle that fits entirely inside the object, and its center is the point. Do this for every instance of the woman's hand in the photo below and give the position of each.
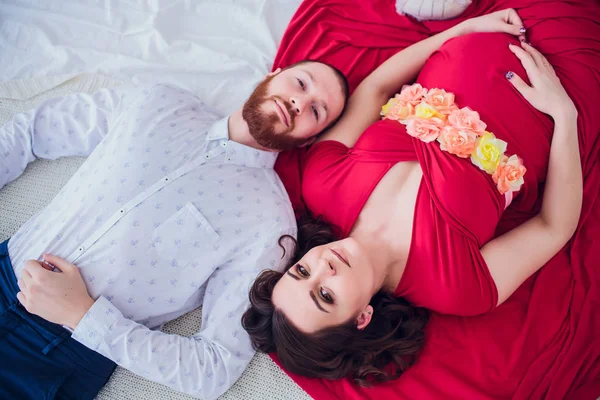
(546, 93)
(507, 21)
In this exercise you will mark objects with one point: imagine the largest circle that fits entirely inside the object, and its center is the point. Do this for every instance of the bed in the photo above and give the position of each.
(44, 49)
(220, 49)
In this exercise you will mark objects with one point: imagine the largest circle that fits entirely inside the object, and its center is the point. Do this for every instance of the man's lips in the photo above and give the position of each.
(342, 259)
(282, 114)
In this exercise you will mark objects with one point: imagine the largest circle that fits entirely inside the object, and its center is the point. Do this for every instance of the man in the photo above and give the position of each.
(172, 209)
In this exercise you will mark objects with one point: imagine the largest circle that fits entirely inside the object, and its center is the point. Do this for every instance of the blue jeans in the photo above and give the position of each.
(39, 359)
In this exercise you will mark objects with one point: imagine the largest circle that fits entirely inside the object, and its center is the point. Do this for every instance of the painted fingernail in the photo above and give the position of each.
(522, 30)
(509, 75)
(522, 39)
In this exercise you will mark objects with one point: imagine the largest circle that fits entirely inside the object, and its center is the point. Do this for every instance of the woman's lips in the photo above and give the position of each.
(282, 114)
(342, 259)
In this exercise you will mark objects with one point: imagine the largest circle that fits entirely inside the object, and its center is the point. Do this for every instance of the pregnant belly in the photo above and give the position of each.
(473, 68)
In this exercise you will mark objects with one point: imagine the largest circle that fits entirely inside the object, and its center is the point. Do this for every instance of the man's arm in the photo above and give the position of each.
(204, 365)
(72, 125)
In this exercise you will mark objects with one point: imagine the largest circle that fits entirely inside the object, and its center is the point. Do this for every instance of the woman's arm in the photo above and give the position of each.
(516, 255)
(374, 91)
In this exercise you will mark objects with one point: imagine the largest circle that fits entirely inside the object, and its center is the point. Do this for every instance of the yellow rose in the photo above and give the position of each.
(427, 111)
(488, 153)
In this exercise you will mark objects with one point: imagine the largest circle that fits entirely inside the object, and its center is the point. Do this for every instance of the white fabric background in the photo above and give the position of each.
(219, 49)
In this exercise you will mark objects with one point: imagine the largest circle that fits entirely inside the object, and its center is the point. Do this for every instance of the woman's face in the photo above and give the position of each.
(330, 285)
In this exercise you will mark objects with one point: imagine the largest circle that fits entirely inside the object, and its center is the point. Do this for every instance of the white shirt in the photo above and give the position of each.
(165, 214)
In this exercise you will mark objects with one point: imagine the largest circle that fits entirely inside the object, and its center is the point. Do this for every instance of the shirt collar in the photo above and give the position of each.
(238, 153)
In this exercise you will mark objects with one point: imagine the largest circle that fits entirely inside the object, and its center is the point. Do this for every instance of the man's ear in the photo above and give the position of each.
(364, 318)
(278, 70)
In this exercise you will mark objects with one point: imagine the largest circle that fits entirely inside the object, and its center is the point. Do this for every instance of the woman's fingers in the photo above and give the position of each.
(526, 59)
(540, 60)
(516, 23)
(537, 57)
(509, 22)
(519, 84)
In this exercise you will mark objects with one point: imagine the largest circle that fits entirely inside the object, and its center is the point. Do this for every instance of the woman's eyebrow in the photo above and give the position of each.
(312, 296)
(292, 275)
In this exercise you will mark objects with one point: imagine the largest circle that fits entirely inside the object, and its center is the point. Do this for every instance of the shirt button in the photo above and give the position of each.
(81, 249)
(224, 144)
(207, 156)
(229, 159)
(122, 211)
(166, 179)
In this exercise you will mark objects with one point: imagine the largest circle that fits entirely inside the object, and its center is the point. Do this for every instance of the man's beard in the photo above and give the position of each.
(262, 125)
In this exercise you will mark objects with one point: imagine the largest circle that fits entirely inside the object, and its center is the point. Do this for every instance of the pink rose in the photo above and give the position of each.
(466, 119)
(509, 174)
(425, 129)
(461, 142)
(412, 94)
(441, 100)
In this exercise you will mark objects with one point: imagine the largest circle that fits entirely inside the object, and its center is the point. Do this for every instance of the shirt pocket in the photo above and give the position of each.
(183, 237)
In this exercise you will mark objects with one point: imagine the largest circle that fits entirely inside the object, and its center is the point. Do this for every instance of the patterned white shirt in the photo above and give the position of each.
(165, 214)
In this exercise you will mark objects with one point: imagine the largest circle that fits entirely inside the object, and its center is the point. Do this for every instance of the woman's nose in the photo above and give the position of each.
(326, 268)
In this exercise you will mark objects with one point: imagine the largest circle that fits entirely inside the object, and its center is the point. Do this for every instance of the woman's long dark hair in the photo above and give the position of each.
(378, 353)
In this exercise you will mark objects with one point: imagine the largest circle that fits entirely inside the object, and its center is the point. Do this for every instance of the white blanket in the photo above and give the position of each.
(219, 49)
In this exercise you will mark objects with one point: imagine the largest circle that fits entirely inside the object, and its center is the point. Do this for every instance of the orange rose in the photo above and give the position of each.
(461, 142)
(441, 100)
(509, 174)
(412, 94)
(465, 118)
(425, 129)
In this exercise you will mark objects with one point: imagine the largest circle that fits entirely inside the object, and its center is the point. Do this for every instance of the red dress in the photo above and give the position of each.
(544, 341)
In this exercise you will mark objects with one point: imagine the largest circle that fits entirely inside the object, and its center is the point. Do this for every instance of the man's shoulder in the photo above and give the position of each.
(276, 202)
(169, 91)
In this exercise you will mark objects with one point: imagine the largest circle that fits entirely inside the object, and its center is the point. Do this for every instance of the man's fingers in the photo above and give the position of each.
(519, 84)
(58, 262)
(46, 266)
(22, 299)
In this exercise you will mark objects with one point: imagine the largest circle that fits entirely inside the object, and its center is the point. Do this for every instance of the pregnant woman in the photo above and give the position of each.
(418, 196)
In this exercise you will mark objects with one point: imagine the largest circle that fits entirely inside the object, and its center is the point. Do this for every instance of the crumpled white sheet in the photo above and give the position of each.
(220, 49)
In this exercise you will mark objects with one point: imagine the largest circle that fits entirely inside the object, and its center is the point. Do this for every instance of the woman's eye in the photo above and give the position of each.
(301, 84)
(316, 113)
(326, 296)
(301, 270)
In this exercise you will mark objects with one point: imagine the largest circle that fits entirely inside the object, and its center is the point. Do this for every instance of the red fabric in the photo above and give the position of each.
(445, 271)
(543, 342)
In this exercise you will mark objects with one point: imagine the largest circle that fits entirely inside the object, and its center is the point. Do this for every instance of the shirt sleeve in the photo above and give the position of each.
(204, 365)
(72, 125)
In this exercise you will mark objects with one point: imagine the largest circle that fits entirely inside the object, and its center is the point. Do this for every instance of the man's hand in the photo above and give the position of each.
(60, 297)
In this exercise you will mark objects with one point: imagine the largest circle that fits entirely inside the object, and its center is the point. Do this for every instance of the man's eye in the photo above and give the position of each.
(326, 296)
(301, 84)
(316, 113)
(301, 270)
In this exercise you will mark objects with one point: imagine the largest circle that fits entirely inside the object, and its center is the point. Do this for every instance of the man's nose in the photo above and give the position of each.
(298, 104)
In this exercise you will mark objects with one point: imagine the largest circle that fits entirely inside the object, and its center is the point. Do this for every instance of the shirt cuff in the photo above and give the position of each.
(96, 323)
